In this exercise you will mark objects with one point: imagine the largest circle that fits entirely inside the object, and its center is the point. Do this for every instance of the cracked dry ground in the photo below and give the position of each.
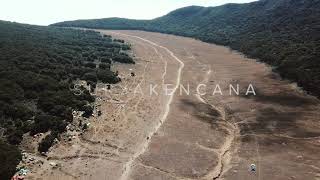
(195, 136)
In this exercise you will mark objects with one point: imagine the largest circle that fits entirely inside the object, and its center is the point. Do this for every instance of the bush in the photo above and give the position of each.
(90, 65)
(106, 36)
(44, 123)
(107, 76)
(47, 142)
(10, 157)
(15, 137)
(105, 60)
(118, 40)
(123, 59)
(125, 47)
(92, 76)
(104, 66)
(88, 110)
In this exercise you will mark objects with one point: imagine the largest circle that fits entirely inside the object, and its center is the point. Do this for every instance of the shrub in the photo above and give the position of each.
(10, 157)
(90, 65)
(104, 66)
(123, 59)
(105, 60)
(47, 142)
(107, 76)
(118, 40)
(88, 110)
(92, 76)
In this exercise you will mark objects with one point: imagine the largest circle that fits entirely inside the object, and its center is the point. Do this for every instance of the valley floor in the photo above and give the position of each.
(195, 136)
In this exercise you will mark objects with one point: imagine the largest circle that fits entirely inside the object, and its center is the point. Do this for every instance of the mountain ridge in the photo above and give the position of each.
(283, 33)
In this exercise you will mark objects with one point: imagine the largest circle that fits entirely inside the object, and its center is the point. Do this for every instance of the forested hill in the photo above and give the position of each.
(39, 67)
(283, 33)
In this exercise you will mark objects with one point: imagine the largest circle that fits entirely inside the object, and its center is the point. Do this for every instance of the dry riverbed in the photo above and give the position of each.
(146, 135)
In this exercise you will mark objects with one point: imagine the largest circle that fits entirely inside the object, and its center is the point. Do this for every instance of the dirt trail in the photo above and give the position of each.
(145, 144)
(223, 152)
(193, 135)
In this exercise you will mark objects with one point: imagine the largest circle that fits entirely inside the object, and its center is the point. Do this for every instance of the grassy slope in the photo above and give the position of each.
(283, 33)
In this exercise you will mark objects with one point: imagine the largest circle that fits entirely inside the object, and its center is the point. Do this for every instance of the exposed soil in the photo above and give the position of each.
(195, 136)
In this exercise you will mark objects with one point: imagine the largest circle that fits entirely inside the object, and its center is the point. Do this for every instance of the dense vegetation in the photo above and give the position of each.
(283, 33)
(10, 157)
(38, 68)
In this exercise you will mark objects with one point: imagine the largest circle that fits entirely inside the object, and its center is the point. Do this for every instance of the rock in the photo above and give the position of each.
(235, 171)
(53, 164)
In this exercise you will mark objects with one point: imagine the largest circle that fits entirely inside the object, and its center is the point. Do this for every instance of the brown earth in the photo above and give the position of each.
(180, 136)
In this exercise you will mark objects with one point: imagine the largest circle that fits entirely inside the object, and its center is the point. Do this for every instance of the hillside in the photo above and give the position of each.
(282, 33)
(38, 68)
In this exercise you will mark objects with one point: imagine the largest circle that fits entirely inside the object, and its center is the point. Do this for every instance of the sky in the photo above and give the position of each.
(45, 12)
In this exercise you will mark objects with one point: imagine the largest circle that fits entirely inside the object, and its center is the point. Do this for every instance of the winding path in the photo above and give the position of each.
(144, 145)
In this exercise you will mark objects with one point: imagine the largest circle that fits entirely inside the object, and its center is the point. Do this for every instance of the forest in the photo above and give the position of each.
(38, 68)
(282, 33)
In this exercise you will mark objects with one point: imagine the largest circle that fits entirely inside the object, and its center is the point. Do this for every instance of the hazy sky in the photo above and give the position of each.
(44, 12)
